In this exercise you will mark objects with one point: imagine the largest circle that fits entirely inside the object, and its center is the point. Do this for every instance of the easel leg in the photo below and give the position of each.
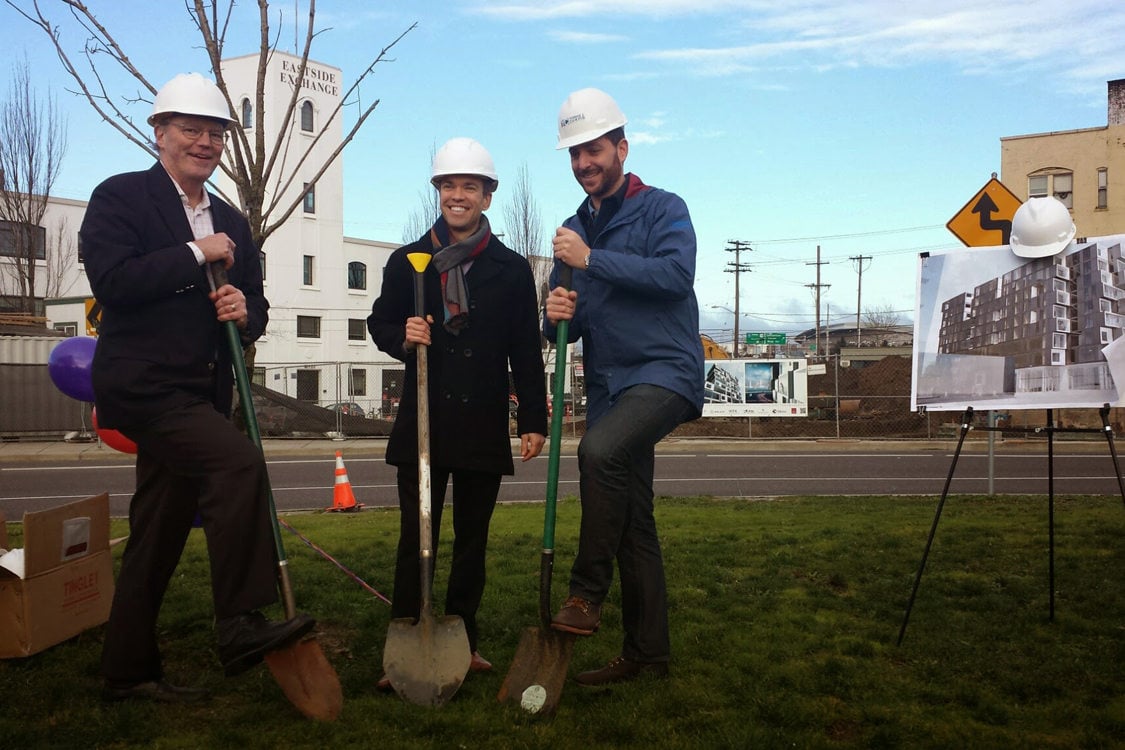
(966, 423)
(1051, 513)
(1108, 432)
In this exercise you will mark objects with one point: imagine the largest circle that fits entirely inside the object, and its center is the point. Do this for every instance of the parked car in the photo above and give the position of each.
(348, 409)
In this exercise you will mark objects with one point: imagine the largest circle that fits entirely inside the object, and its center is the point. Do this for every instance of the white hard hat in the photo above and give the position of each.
(463, 156)
(1041, 227)
(586, 115)
(191, 94)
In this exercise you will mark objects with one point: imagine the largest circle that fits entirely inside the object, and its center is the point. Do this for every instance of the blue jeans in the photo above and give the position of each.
(616, 461)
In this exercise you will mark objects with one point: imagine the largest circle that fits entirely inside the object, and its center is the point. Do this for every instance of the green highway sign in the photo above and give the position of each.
(765, 339)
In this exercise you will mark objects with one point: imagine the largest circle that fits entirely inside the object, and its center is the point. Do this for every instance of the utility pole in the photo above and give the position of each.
(816, 291)
(736, 247)
(857, 260)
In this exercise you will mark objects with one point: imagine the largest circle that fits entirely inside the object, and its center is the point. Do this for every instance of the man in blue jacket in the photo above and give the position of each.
(632, 248)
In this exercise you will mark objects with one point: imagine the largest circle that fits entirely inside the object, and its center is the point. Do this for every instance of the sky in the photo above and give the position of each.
(860, 128)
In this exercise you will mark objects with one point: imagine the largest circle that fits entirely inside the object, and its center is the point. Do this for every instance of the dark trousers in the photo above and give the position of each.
(474, 499)
(189, 460)
(616, 462)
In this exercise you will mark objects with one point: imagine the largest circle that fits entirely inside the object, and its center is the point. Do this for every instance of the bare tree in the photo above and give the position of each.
(61, 259)
(523, 230)
(423, 217)
(429, 208)
(258, 169)
(881, 316)
(32, 145)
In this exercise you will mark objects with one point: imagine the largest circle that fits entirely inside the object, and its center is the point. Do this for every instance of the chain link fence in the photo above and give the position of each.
(360, 399)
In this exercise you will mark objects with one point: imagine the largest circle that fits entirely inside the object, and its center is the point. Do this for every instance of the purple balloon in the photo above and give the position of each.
(69, 366)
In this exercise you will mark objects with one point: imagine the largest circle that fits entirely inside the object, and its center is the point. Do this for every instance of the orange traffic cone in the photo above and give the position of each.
(343, 500)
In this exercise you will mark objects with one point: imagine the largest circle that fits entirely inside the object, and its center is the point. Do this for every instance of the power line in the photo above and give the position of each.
(873, 233)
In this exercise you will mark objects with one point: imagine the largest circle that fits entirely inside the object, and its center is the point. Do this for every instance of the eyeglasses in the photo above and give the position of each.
(217, 137)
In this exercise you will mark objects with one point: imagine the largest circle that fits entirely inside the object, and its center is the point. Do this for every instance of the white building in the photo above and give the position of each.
(320, 284)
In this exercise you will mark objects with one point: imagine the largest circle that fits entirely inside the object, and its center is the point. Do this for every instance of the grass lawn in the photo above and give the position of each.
(784, 619)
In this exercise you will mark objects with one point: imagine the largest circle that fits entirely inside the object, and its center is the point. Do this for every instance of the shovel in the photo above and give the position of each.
(300, 669)
(535, 679)
(427, 660)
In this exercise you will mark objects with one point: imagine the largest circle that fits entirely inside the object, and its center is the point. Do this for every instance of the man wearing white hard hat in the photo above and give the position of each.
(632, 250)
(481, 321)
(163, 377)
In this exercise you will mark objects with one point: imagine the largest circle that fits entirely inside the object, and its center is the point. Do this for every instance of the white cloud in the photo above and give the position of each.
(579, 37)
(541, 11)
(1076, 42)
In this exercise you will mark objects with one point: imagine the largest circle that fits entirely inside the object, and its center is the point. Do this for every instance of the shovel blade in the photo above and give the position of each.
(307, 679)
(535, 680)
(426, 661)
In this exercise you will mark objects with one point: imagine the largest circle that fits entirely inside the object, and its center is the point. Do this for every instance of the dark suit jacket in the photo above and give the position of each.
(160, 345)
(469, 372)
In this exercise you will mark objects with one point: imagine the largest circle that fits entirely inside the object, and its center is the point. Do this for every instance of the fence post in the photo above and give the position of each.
(837, 379)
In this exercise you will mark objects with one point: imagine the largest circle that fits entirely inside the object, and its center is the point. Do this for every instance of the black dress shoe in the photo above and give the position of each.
(157, 690)
(245, 639)
(621, 669)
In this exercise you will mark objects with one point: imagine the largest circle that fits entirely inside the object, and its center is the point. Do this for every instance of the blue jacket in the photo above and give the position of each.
(637, 314)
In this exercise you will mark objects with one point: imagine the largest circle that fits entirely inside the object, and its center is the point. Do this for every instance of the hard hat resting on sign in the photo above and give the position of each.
(463, 156)
(586, 115)
(191, 94)
(1041, 227)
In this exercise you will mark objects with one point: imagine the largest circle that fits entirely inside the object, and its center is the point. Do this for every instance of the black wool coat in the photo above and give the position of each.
(468, 373)
(160, 345)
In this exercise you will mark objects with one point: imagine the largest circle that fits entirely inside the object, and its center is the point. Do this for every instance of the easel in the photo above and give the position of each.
(1050, 429)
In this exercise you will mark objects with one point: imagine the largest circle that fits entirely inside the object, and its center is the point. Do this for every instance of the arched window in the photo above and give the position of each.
(247, 114)
(307, 117)
(357, 275)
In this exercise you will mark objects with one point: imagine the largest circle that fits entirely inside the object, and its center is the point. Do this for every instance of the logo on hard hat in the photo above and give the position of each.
(568, 120)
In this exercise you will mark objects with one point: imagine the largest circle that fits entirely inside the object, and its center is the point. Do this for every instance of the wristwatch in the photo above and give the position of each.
(587, 261)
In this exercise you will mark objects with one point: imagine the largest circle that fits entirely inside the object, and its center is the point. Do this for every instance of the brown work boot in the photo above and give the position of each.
(621, 669)
(578, 616)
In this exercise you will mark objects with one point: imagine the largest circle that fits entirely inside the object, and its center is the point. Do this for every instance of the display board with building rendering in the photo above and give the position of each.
(997, 331)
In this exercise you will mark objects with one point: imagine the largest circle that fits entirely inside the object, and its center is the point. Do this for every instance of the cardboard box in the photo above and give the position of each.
(68, 580)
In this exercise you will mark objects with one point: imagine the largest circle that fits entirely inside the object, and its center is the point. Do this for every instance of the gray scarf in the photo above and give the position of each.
(449, 261)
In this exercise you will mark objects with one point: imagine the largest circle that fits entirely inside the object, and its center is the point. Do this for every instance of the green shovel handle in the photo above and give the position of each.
(547, 559)
(217, 277)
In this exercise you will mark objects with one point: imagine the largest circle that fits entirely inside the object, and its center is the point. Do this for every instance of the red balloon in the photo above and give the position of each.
(113, 438)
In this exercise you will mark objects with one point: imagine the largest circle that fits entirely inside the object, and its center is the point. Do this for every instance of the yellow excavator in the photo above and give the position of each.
(712, 350)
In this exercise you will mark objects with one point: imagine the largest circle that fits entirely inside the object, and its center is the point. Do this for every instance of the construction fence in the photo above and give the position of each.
(349, 399)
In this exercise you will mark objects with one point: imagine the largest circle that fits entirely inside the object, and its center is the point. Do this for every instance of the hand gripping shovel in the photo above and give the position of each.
(535, 679)
(300, 669)
(427, 660)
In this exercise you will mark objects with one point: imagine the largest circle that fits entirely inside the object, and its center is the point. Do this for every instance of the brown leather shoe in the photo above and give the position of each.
(384, 685)
(621, 669)
(578, 616)
(479, 663)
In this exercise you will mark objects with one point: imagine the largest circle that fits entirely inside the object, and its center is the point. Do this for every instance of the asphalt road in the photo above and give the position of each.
(303, 473)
